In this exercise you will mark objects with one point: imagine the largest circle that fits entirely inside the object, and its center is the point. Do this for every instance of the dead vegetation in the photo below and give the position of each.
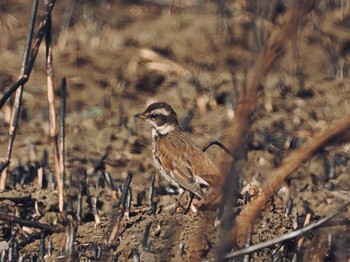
(269, 81)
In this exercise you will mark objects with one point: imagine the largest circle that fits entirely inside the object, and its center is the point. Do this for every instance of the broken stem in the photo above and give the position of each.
(33, 54)
(121, 208)
(18, 97)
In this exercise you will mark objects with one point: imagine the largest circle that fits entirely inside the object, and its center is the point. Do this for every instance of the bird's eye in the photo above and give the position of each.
(153, 116)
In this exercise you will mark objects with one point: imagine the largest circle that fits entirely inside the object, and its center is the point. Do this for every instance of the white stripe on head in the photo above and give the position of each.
(161, 111)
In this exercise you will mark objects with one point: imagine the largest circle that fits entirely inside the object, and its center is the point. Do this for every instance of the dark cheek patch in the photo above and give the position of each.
(172, 118)
(161, 119)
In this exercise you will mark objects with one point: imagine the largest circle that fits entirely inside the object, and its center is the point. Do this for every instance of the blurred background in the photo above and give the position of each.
(120, 56)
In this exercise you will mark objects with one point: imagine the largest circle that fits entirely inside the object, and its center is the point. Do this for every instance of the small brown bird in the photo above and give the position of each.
(181, 162)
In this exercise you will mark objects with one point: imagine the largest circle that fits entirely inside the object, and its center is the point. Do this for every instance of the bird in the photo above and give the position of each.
(182, 163)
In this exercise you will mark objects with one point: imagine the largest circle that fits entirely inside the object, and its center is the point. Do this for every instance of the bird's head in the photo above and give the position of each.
(161, 117)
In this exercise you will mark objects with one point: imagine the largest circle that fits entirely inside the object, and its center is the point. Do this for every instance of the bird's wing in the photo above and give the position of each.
(171, 153)
(207, 171)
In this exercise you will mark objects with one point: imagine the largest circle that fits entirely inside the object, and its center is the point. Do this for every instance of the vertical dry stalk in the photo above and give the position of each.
(27, 71)
(34, 52)
(71, 233)
(18, 97)
(301, 240)
(121, 208)
(52, 115)
(272, 50)
(288, 165)
(62, 127)
(248, 101)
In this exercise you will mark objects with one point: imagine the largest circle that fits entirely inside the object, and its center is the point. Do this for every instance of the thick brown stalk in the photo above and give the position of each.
(248, 101)
(269, 54)
(52, 116)
(288, 165)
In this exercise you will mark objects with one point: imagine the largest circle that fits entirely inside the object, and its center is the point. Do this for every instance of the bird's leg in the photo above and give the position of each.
(173, 208)
(178, 203)
(189, 203)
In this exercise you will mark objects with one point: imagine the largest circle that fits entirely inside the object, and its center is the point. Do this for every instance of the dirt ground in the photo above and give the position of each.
(118, 58)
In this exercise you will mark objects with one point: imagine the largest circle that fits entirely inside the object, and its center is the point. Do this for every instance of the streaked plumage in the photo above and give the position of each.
(181, 162)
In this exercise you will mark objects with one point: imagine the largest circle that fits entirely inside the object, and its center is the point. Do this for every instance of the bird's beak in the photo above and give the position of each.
(140, 115)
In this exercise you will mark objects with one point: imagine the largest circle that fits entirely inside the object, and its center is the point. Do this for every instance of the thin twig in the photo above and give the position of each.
(109, 180)
(62, 123)
(62, 136)
(13, 246)
(151, 189)
(301, 239)
(121, 208)
(18, 97)
(23, 222)
(284, 237)
(228, 151)
(95, 210)
(80, 202)
(35, 49)
(128, 204)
